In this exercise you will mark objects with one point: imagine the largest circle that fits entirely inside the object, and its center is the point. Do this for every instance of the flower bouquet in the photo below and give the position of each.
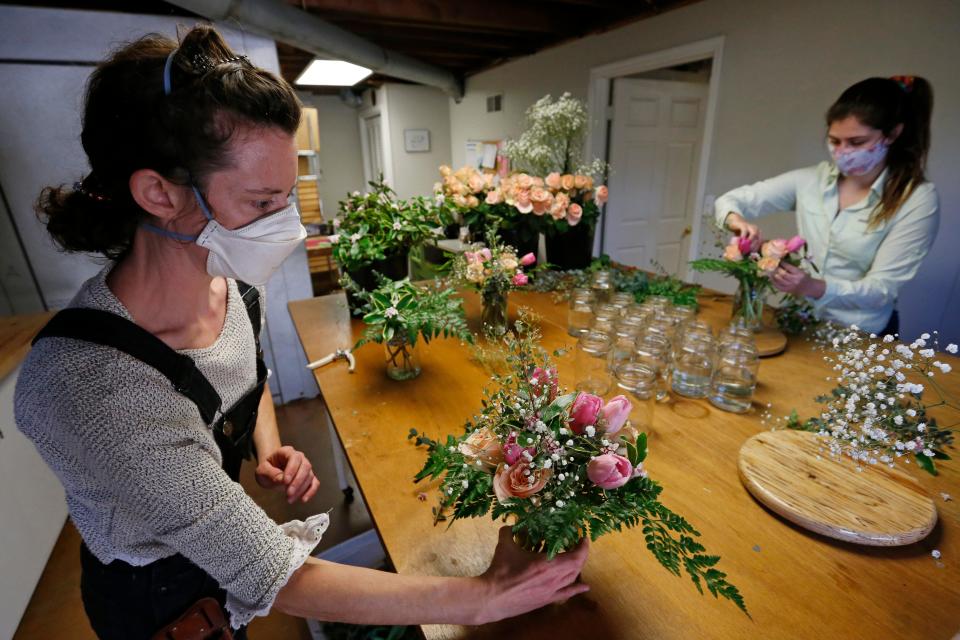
(375, 232)
(877, 413)
(753, 270)
(494, 271)
(562, 466)
(397, 313)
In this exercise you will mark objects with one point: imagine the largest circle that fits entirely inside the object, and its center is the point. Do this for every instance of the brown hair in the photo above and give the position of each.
(883, 103)
(130, 124)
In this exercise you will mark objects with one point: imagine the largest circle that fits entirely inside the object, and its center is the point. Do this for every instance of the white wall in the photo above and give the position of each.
(416, 107)
(341, 160)
(40, 114)
(784, 63)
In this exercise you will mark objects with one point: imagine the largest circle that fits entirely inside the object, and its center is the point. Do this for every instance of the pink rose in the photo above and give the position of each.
(615, 413)
(795, 244)
(553, 180)
(774, 249)
(494, 197)
(732, 253)
(544, 379)
(609, 471)
(484, 254)
(574, 213)
(744, 245)
(567, 182)
(602, 194)
(520, 279)
(584, 411)
(483, 445)
(471, 257)
(528, 259)
(512, 482)
(513, 452)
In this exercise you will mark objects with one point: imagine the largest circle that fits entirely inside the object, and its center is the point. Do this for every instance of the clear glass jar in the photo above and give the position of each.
(654, 351)
(735, 378)
(662, 302)
(683, 314)
(695, 326)
(604, 325)
(622, 300)
(602, 286)
(639, 381)
(580, 313)
(593, 351)
(693, 366)
(662, 328)
(624, 344)
(606, 310)
(402, 360)
(736, 332)
(494, 313)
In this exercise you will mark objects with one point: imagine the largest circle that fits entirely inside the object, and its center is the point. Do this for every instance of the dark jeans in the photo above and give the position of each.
(893, 325)
(124, 602)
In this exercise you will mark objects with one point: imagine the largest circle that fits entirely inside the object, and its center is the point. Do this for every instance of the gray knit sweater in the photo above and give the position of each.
(140, 468)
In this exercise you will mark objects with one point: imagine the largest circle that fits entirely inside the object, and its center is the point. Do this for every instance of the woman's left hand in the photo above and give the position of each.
(287, 467)
(790, 279)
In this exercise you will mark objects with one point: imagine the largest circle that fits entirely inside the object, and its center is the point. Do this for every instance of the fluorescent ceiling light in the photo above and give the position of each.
(332, 73)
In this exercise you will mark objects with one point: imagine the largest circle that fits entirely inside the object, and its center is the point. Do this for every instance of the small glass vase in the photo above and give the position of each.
(748, 306)
(402, 360)
(494, 313)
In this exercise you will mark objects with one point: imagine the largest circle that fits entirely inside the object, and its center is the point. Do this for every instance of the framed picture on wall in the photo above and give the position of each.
(416, 140)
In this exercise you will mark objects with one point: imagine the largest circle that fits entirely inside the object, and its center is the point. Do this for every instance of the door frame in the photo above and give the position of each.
(386, 160)
(601, 117)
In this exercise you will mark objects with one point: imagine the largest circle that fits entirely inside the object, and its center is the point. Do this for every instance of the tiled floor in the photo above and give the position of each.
(56, 613)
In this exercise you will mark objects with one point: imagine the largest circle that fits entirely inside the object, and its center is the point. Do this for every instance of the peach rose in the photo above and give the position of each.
(553, 180)
(494, 197)
(574, 213)
(768, 265)
(445, 170)
(483, 446)
(602, 194)
(475, 182)
(567, 182)
(460, 201)
(509, 261)
(488, 179)
(512, 482)
(473, 201)
(732, 253)
(580, 182)
(774, 249)
(524, 205)
(524, 181)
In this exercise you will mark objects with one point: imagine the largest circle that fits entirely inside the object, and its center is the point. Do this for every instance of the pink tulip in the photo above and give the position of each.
(528, 259)
(615, 413)
(544, 380)
(744, 245)
(609, 471)
(520, 279)
(795, 243)
(584, 411)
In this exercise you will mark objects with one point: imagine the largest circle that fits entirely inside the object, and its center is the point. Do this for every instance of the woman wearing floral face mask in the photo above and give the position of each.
(145, 395)
(869, 217)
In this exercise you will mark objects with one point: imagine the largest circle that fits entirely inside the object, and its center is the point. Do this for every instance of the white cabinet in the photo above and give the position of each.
(32, 513)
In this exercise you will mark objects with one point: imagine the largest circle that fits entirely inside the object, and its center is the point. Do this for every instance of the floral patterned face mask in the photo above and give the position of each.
(859, 162)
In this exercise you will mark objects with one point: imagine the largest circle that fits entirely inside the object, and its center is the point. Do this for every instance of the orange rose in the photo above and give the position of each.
(567, 182)
(512, 482)
(483, 446)
(580, 182)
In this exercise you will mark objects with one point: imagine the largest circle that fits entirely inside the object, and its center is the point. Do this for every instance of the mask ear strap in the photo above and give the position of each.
(183, 236)
(201, 202)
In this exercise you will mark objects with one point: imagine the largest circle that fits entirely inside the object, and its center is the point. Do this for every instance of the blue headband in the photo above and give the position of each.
(166, 72)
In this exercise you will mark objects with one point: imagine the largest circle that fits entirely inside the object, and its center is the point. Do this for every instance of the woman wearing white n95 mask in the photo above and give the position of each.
(146, 394)
(869, 217)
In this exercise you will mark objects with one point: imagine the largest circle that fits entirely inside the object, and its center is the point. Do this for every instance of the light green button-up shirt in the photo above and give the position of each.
(863, 268)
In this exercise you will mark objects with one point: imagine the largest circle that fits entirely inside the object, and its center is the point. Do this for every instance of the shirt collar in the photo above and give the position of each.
(876, 189)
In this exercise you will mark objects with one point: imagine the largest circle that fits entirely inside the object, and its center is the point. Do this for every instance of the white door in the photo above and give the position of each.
(654, 154)
(372, 147)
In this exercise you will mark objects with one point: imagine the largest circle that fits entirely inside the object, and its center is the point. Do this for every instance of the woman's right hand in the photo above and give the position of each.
(742, 228)
(519, 581)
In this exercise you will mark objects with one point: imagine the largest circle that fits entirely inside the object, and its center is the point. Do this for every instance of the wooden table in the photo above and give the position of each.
(797, 584)
(16, 332)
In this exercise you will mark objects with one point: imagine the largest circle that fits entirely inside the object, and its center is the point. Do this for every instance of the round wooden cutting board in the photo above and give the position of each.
(878, 506)
(770, 342)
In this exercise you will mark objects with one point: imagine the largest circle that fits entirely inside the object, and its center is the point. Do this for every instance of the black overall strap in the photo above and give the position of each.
(110, 330)
(251, 300)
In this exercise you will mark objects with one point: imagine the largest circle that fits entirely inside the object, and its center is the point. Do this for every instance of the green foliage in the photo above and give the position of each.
(569, 507)
(795, 315)
(376, 225)
(404, 310)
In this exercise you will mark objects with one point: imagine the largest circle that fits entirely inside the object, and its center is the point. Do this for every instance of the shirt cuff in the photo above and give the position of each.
(830, 293)
(305, 536)
(722, 208)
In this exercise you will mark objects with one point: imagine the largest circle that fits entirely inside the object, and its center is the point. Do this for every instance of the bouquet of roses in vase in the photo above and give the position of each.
(493, 270)
(753, 270)
(399, 312)
(562, 466)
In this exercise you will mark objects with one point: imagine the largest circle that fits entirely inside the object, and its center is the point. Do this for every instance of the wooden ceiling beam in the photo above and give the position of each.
(494, 15)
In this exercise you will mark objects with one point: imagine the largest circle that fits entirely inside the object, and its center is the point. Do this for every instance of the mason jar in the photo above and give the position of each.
(593, 352)
(654, 350)
(638, 381)
(735, 378)
(580, 313)
(602, 286)
(693, 366)
(622, 300)
(624, 343)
